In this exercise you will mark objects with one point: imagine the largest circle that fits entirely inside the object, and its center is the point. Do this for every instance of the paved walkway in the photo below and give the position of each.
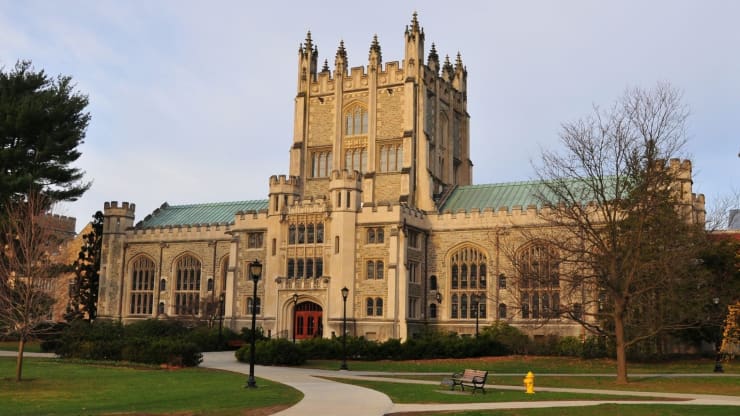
(327, 397)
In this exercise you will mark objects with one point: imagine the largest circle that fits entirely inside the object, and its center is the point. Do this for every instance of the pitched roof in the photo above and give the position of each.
(507, 195)
(494, 196)
(210, 213)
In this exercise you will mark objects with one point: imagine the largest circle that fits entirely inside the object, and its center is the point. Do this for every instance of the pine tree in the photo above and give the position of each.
(83, 300)
(42, 123)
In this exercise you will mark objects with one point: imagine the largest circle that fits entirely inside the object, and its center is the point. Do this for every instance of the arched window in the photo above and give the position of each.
(370, 269)
(309, 268)
(291, 234)
(299, 268)
(378, 307)
(453, 307)
(502, 310)
(321, 164)
(432, 282)
(463, 306)
(187, 286)
(143, 270)
(370, 306)
(538, 268)
(355, 121)
(310, 234)
(356, 159)
(467, 277)
(391, 157)
(433, 310)
(291, 268)
(319, 233)
(501, 281)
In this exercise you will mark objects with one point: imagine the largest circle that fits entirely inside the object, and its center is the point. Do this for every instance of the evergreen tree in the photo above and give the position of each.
(42, 123)
(83, 300)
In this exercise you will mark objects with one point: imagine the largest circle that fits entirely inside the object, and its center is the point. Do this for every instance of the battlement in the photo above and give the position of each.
(59, 224)
(284, 180)
(389, 74)
(124, 210)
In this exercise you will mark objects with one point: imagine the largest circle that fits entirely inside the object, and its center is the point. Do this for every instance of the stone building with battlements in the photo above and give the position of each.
(378, 199)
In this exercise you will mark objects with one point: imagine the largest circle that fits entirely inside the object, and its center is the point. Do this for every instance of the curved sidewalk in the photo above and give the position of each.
(321, 396)
(327, 397)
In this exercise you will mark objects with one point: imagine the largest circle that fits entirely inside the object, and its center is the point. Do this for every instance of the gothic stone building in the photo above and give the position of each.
(378, 199)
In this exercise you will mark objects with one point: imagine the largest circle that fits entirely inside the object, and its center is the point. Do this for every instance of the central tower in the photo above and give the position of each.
(402, 127)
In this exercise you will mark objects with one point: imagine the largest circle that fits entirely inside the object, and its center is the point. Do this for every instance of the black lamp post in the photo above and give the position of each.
(295, 303)
(221, 300)
(345, 292)
(718, 356)
(255, 271)
(476, 303)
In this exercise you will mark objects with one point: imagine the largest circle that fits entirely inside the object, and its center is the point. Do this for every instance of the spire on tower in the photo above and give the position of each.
(458, 62)
(341, 52)
(447, 69)
(433, 54)
(414, 22)
(325, 68)
(375, 55)
(309, 42)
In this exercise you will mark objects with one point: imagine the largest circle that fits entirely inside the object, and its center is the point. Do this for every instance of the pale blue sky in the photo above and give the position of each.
(193, 101)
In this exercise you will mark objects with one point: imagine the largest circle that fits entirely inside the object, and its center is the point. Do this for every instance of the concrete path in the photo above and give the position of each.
(321, 397)
(327, 397)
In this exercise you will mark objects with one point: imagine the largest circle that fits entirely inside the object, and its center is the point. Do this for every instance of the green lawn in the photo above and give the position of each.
(523, 364)
(430, 393)
(700, 385)
(56, 387)
(13, 346)
(608, 410)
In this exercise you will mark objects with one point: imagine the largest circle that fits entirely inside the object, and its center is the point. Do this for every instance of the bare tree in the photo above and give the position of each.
(625, 232)
(27, 270)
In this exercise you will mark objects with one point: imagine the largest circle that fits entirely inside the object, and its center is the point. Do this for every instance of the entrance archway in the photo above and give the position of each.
(308, 322)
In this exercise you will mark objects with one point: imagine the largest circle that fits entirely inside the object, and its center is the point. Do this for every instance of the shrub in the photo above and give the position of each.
(321, 348)
(570, 347)
(273, 352)
(512, 339)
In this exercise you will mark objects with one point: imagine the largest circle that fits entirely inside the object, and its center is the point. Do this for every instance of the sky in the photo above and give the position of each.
(192, 101)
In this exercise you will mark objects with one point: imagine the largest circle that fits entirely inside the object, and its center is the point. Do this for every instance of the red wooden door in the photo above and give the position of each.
(307, 321)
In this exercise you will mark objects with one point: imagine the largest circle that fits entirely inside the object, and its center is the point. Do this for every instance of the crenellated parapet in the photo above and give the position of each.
(117, 219)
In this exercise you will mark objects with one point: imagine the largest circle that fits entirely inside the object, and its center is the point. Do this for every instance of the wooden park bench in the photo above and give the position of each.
(470, 378)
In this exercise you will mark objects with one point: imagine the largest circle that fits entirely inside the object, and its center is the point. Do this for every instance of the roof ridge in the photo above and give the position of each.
(249, 201)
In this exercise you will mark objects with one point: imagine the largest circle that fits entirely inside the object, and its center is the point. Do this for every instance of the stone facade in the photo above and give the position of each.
(377, 152)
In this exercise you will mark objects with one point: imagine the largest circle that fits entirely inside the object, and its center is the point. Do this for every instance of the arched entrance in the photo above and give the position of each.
(308, 321)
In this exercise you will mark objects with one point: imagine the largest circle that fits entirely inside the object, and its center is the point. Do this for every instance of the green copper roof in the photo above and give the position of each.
(219, 212)
(494, 196)
(507, 195)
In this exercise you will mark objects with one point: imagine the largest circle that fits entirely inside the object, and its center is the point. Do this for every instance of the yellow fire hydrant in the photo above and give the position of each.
(529, 383)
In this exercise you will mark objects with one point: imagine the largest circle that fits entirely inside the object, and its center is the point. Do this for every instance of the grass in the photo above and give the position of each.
(523, 364)
(431, 393)
(32, 346)
(662, 384)
(606, 410)
(54, 387)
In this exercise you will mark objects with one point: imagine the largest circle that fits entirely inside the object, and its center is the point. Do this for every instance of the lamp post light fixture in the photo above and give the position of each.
(718, 355)
(345, 292)
(255, 271)
(476, 303)
(221, 301)
(295, 303)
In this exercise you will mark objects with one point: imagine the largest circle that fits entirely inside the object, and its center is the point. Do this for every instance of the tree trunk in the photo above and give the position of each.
(621, 345)
(19, 359)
